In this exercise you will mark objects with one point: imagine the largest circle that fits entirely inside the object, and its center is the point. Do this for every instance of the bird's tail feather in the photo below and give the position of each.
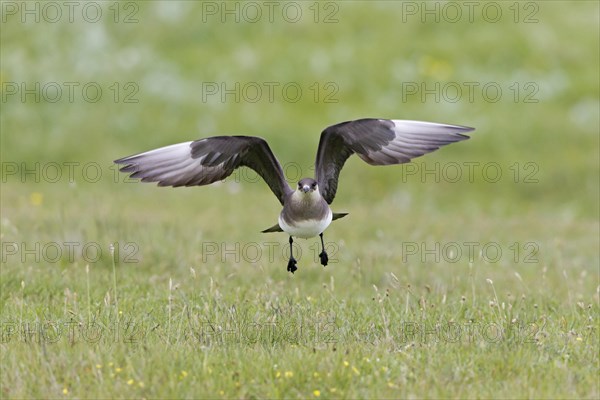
(274, 228)
(338, 216)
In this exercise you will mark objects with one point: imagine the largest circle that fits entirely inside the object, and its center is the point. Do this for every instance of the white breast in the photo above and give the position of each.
(308, 228)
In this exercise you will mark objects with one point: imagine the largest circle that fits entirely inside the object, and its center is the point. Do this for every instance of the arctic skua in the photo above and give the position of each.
(306, 212)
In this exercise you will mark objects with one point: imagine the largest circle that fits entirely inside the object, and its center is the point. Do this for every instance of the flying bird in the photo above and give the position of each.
(306, 212)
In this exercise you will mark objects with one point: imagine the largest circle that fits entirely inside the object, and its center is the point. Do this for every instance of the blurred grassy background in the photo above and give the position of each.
(365, 59)
(370, 55)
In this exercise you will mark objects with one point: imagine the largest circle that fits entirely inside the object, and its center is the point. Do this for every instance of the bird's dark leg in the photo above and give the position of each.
(323, 255)
(292, 263)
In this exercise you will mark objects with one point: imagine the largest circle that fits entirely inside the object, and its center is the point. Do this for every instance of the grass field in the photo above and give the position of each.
(471, 273)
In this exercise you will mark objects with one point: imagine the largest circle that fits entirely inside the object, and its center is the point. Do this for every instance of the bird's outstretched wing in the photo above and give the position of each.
(206, 161)
(378, 142)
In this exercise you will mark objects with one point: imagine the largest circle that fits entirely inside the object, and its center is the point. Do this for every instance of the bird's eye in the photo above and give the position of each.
(314, 185)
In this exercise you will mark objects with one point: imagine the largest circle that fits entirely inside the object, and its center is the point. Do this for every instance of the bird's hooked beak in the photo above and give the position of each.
(305, 188)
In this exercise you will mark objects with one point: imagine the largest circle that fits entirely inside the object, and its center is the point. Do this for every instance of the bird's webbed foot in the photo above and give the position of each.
(324, 258)
(291, 267)
(323, 255)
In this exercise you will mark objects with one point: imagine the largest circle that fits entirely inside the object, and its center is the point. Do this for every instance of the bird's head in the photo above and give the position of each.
(307, 185)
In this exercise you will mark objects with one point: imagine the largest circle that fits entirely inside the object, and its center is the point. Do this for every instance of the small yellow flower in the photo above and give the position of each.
(36, 199)
(65, 391)
(98, 366)
(579, 339)
(333, 390)
(315, 374)
(355, 370)
(436, 68)
(110, 364)
(277, 374)
(117, 370)
(130, 382)
(184, 373)
(346, 363)
(316, 393)
(221, 392)
(141, 384)
(288, 374)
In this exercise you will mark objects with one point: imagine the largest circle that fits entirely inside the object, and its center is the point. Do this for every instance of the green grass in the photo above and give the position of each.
(195, 302)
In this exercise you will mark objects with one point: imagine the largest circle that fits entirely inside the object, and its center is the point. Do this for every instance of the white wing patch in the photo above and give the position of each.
(414, 139)
(171, 166)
